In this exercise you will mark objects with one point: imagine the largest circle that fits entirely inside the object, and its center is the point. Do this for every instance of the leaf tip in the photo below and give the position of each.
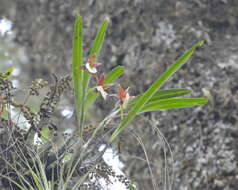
(205, 100)
(200, 43)
(107, 19)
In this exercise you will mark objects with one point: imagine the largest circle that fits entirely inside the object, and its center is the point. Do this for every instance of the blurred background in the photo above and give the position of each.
(145, 36)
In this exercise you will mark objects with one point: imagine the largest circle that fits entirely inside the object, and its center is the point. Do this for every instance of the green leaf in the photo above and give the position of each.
(98, 42)
(173, 103)
(153, 89)
(114, 74)
(164, 94)
(171, 93)
(77, 61)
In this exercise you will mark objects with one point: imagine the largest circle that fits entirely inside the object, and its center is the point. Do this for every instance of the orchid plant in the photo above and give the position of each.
(126, 108)
(153, 99)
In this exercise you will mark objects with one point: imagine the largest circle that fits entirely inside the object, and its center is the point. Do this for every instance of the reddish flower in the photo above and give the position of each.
(123, 96)
(91, 66)
(101, 81)
(101, 86)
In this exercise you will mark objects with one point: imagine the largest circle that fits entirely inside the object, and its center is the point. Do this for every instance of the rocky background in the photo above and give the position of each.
(145, 36)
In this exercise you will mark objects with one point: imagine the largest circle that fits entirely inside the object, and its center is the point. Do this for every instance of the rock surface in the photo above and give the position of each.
(145, 37)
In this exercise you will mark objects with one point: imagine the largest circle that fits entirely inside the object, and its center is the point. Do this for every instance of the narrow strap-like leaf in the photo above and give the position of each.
(77, 61)
(164, 94)
(114, 74)
(173, 103)
(98, 42)
(153, 89)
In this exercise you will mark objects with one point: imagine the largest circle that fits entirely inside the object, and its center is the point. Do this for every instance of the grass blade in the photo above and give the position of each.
(153, 89)
(173, 103)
